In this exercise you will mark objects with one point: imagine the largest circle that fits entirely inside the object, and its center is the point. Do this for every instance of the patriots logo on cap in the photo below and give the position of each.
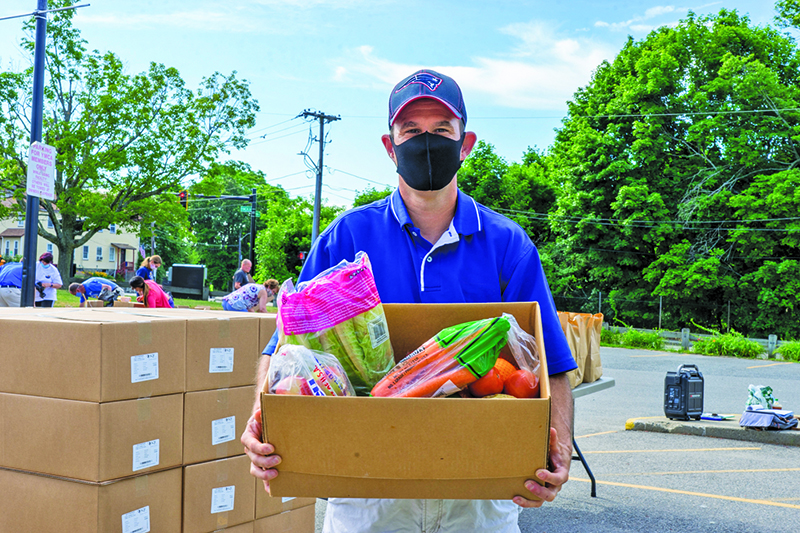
(425, 78)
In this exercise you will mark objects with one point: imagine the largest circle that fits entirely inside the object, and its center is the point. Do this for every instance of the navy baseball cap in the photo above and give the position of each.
(427, 84)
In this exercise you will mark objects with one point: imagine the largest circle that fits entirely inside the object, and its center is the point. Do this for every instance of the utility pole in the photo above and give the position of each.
(253, 207)
(323, 118)
(37, 110)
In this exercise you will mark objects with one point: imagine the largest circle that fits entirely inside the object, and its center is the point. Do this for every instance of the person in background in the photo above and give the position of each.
(150, 293)
(147, 270)
(250, 297)
(11, 284)
(273, 287)
(428, 242)
(49, 279)
(100, 288)
(242, 276)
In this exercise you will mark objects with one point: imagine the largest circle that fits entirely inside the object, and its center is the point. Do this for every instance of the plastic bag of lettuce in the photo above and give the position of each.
(339, 312)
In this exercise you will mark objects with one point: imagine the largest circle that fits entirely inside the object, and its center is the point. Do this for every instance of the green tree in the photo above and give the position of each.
(287, 234)
(124, 141)
(370, 194)
(217, 224)
(788, 13)
(664, 154)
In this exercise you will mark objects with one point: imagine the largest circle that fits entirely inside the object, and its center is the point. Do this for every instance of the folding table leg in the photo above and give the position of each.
(585, 466)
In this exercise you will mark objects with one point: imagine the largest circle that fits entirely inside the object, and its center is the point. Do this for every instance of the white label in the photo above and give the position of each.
(285, 499)
(137, 521)
(378, 331)
(145, 455)
(223, 430)
(144, 367)
(222, 499)
(446, 390)
(220, 360)
(41, 171)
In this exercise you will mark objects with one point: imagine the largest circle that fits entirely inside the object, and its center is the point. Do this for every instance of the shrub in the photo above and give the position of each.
(732, 344)
(610, 337)
(790, 351)
(641, 339)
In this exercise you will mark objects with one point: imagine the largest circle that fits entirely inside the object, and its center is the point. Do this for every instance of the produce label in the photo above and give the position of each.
(223, 430)
(222, 499)
(144, 367)
(332, 299)
(145, 455)
(446, 390)
(137, 521)
(220, 360)
(378, 331)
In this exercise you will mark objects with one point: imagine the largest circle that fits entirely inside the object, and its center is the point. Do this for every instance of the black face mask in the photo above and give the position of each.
(428, 162)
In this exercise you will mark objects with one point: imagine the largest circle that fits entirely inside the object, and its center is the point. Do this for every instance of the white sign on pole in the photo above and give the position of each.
(42, 171)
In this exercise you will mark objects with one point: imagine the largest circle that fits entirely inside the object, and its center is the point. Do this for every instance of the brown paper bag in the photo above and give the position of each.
(593, 368)
(572, 331)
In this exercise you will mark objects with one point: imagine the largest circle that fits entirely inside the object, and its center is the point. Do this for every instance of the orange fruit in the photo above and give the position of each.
(504, 368)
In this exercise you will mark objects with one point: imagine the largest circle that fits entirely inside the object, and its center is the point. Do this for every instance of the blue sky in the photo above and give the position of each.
(518, 63)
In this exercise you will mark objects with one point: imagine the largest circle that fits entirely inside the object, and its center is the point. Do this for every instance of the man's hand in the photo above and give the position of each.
(261, 454)
(553, 478)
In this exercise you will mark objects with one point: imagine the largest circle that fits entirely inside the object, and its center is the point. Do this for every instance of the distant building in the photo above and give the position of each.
(110, 250)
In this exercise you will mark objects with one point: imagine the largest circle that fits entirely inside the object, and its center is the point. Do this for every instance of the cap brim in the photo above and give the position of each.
(454, 111)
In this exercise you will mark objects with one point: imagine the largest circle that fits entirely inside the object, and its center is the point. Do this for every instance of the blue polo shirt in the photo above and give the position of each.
(482, 257)
(11, 275)
(94, 286)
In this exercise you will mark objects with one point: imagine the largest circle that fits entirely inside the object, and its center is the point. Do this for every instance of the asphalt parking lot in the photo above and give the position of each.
(650, 480)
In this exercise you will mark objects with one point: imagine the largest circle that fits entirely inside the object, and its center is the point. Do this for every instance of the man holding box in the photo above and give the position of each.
(428, 242)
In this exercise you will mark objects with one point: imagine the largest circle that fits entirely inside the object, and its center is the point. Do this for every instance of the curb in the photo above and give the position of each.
(727, 429)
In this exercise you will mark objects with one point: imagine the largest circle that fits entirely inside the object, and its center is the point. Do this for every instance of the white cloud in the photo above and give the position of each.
(637, 24)
(540, 72)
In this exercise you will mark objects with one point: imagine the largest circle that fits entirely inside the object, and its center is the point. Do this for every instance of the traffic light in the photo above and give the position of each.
(183, 196)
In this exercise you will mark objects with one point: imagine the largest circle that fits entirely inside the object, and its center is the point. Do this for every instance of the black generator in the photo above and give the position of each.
(683, 393)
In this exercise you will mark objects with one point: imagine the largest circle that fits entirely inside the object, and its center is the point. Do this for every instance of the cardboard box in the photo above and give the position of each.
(91, 441)
(34, 503)
(267, 505)
(213, 422)
(91, 355)
(241, 528)
(218, 494)
(413, 447)
(298, 521)
(221, 346)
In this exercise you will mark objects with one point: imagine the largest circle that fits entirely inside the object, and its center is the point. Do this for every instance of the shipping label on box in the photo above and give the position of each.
(413, 447)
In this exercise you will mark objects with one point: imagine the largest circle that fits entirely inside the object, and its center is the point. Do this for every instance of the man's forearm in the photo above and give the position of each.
(562, 413)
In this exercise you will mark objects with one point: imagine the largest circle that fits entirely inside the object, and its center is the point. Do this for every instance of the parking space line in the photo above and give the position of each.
(596, 434)
(682, 450)
(689, 493)
(737, 471)
(773, 364)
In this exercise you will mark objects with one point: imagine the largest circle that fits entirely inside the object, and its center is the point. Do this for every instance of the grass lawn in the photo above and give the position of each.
(65, 299)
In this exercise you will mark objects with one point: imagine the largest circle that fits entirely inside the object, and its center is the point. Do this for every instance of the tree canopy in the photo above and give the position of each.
(124, 141)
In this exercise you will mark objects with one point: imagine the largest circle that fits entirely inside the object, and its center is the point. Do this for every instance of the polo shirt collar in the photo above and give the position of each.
(467, 220)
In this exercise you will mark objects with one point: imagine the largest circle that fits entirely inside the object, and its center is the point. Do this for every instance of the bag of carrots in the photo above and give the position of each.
(339, 312)
(448, 362)
(298, 370)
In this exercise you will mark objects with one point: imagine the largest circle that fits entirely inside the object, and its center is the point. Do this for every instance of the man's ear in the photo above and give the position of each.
(387, 145)
(469, 142)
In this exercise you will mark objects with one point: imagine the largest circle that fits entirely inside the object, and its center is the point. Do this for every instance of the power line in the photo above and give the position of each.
(271, 126)
(359, 177)
(276, 138)
(624, 115)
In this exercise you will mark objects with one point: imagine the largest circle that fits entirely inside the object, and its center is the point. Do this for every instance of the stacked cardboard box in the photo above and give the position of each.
(131, 418)
(91, 411)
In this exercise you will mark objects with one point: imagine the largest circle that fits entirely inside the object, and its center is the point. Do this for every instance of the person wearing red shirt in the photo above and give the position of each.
(150, 293)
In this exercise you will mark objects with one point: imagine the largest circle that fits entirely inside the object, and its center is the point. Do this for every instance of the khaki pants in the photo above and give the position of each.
(10, 296)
